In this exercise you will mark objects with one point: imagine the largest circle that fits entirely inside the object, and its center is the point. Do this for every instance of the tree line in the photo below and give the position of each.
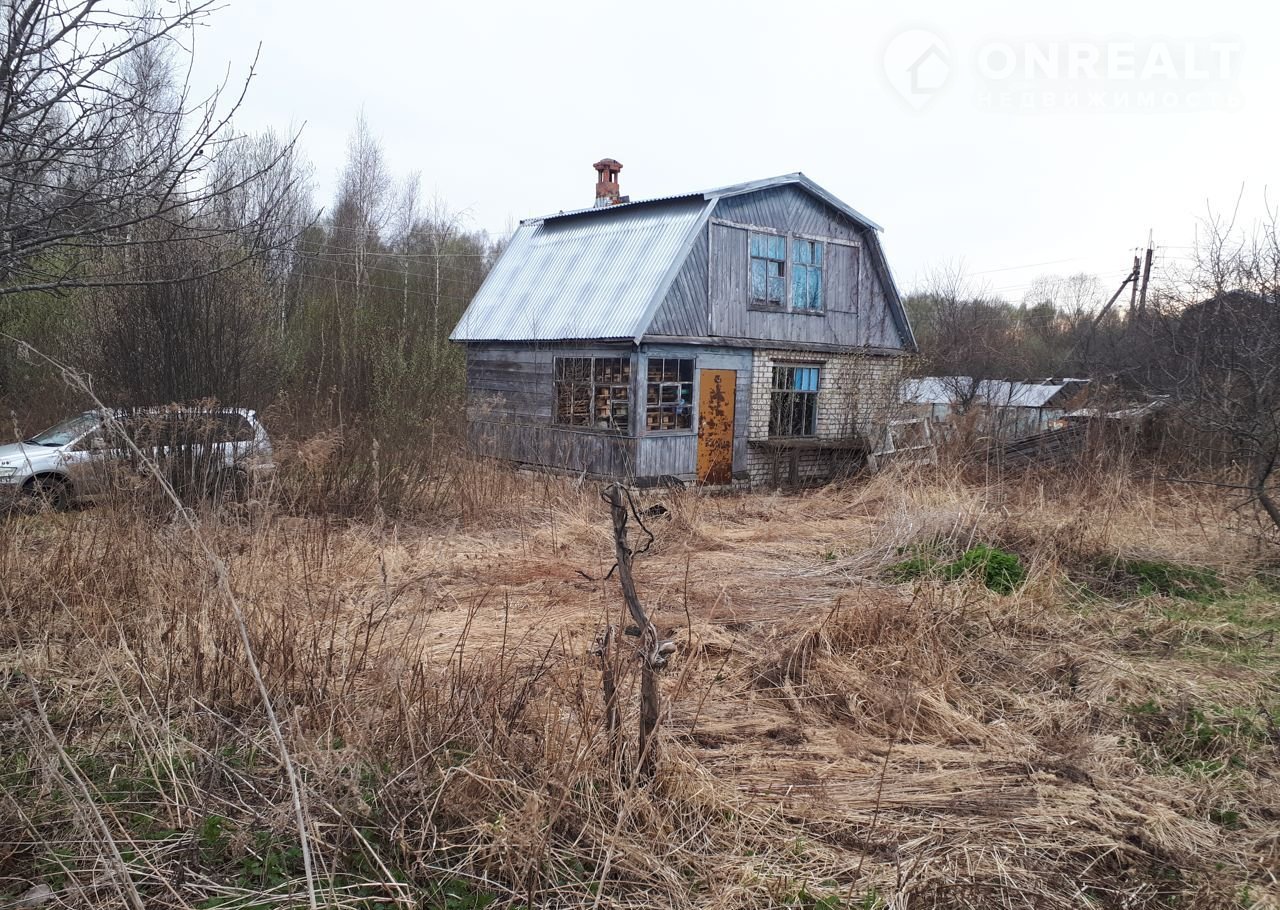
(152, 247)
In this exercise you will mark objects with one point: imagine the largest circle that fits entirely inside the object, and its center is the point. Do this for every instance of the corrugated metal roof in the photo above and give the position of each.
(994, 392)
(601, 273)
(584, 278)
(617, 207)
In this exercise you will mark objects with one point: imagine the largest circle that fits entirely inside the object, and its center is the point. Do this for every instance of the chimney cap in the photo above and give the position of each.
(608, 164)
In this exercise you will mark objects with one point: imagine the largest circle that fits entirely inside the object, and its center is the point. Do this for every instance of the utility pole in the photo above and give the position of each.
(1131, 278)
(1133, 291)
(1146, 271)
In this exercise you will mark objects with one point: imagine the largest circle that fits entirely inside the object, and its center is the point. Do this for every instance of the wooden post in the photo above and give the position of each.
(1133, 290)
(613, 720)
(1146, 272)
(651, 658)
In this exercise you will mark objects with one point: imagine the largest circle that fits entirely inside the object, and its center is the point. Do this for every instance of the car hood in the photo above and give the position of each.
(18, 455)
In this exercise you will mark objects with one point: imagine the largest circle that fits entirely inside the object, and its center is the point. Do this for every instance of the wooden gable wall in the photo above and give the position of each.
(708, 298)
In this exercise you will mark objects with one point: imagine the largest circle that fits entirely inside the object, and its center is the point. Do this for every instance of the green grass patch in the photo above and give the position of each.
(1201, 740)
(1000, 570)
(1148, 577)
(1241, 628)
(1228, 819)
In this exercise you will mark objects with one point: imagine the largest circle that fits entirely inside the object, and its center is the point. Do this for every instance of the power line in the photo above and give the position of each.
(413, 292)
(1031, 265)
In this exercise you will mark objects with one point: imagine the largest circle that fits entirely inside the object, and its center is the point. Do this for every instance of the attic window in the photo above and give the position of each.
(768, 269)
(806, 275)
(593, 392)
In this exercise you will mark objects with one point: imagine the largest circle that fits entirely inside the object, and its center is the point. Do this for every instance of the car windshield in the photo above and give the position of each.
(69, 430)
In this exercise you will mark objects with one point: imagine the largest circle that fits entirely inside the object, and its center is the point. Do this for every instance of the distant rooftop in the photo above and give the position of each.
(999, 393)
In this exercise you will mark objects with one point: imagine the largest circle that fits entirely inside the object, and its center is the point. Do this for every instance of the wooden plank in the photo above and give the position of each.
(757, 343)
(508, 353)
(668, 455)
(484, 384)
(482, 368)
(788, 208)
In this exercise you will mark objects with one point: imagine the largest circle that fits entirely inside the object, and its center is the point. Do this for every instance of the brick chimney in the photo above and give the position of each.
(607, 190)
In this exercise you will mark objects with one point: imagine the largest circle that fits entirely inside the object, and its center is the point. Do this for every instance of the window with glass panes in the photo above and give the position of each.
(593, 392)
(669, 396)
(768, 269)
(806, 275)
(793, 405)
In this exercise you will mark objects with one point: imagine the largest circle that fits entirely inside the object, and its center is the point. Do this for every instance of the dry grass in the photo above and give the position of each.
(832, 739)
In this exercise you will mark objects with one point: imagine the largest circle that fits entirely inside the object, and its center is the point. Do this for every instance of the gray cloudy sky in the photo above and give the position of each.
(1009, 136)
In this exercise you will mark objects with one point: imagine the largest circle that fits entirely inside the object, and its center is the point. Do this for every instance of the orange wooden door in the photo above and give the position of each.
(715, 425)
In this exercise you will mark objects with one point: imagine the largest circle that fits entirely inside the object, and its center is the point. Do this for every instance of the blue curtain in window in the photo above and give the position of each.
(806, 379)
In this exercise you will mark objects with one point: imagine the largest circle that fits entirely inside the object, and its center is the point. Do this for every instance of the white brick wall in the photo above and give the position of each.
(856, 395)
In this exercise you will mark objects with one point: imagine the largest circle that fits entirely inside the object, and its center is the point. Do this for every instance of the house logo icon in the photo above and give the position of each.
(917, 64)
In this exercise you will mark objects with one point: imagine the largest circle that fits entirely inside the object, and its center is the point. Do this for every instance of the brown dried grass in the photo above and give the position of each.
(829, 736)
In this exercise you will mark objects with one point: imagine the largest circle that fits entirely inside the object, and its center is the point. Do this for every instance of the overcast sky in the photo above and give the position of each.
(1017, 138)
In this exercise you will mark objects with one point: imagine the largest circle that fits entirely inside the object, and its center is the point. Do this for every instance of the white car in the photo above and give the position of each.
(81, 458)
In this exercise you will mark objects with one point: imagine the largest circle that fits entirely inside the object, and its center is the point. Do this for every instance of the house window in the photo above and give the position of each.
(806, 275)
(768, 269)
(669, 400)
(793, 405)
(593, 392)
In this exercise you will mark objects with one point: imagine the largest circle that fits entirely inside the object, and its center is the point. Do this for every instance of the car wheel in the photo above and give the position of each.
(53, 491)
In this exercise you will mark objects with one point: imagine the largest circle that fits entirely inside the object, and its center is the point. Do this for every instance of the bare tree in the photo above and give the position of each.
(966, 336)
(1221, 353)
(105, 147)
(264, 195)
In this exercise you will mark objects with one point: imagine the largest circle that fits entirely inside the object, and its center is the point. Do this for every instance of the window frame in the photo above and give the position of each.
(810, 399)
(678, 383)
(851, 306)
(593, 384)
(784, 275)
(821, 267)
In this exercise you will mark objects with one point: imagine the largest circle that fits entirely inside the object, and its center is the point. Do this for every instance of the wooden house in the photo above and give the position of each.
(752, 332)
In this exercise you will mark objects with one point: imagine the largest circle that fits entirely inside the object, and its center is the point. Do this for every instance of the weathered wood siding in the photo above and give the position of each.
(856, 304)
(510, 390)
(510, 394)
(684, 310)
(788, 208)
